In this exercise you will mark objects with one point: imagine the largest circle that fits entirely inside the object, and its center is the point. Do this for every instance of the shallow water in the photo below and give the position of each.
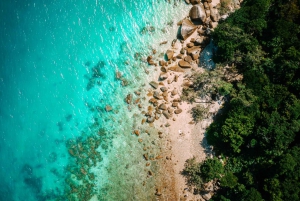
(58, 72)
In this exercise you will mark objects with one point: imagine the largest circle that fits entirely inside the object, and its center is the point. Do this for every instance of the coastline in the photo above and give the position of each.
(181, 138)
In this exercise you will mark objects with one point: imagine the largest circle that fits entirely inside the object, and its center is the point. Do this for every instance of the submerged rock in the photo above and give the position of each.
(108, 108)
(128, 98)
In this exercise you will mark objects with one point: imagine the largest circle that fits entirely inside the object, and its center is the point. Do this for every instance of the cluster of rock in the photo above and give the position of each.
(183, 55)
(204, 13)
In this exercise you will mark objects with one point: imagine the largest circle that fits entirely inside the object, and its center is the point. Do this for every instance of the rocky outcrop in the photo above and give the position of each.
(197, 13)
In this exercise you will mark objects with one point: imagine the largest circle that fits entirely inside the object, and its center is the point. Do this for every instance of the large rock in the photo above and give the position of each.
(197, 13)
(154, 84)
(187, 28)
(184, 64)
(193, 50)
(170, 54)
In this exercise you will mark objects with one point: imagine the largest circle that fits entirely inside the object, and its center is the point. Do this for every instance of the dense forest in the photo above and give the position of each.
(257, 135)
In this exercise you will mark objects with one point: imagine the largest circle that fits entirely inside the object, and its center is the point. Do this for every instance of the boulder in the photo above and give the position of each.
(179, 56)
(197, 13)
(163, 89)
(206, 6)
(193, 50)
(165, 94)
(170, 54)
(182, 51)
(207, 12)
(149, 58)
(175, 78)
(128, 98)
(163, 69)
(176, 69)
(188, 59)
(178, 111)
(175, 104)
(214, 16)
(163, 76)
(162, 63)
(195, 56)
(152, 63)
(137, 132)
(174, 92)
(187, 28)
(213, 25)
(153, 101)
(162, 106)
(156, 95)
(199, 41)
(166, 114)
(184, 64)
(154, 84)
(190, 45)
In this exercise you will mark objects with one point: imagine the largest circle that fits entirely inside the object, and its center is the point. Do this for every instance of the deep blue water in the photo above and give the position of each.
(58, 67)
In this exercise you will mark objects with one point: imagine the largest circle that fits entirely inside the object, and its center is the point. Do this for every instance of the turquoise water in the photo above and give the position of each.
(58, 73)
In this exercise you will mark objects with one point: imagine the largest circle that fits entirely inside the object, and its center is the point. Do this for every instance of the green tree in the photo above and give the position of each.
(229, 180)
(211, 169)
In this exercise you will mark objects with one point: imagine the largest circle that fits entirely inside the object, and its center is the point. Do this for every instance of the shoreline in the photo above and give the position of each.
(181, 138)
